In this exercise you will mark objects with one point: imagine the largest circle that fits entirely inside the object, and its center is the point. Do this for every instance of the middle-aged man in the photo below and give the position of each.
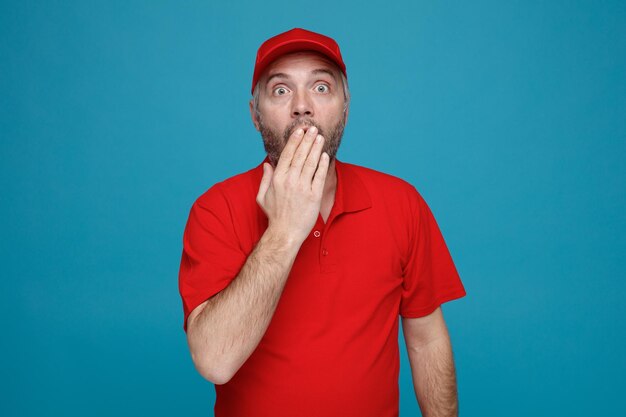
(294, 273)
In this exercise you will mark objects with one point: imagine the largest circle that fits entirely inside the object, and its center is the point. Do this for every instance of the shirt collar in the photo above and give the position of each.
(351, 194)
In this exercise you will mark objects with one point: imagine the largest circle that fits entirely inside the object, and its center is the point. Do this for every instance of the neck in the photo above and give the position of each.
(330, 185)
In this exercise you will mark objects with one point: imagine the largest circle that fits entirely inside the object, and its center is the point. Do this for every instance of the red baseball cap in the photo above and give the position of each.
(295, 40)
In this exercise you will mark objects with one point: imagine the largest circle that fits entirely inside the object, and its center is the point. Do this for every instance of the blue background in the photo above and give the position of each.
(508, 117)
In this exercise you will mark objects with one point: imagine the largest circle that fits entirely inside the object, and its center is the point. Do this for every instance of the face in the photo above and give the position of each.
(301, 89)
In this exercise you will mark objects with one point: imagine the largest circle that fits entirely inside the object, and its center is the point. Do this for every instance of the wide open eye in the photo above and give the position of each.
(279, 91)
(321, 88)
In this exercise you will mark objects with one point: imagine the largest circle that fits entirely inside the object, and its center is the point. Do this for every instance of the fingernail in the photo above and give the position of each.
(318, 139)
(299, 132)
(313, 129)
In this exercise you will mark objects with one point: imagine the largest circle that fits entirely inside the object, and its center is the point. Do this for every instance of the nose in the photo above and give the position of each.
(301, 105)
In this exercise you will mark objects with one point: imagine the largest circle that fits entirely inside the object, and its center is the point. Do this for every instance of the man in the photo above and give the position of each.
(294, 273)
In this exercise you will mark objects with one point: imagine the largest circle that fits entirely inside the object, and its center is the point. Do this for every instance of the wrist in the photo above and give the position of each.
(281, 239)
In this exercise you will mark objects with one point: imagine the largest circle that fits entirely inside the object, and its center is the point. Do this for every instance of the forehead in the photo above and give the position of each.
(299, 61)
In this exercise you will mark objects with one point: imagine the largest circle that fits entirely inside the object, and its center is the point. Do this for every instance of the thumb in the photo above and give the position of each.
(268, 173)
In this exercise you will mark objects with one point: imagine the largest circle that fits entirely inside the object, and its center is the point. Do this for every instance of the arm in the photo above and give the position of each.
(432, 364)
(223, 331)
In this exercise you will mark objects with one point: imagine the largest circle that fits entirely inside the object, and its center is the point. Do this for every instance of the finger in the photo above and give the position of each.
(303, 150)
(320, 175)
(313, 159)
(284, 162)
(265, 181)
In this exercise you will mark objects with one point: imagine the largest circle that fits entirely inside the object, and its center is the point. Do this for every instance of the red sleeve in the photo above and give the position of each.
(211, 256)
(430, 277)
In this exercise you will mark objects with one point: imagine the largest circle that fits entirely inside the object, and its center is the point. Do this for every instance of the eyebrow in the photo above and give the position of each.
(324, 71)
(314, 72)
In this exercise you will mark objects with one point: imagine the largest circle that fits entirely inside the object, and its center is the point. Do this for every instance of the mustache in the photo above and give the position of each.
(301, 121)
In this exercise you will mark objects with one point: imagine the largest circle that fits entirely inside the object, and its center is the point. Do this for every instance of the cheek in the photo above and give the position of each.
(273, 117)
(333, 106)
(334, 114)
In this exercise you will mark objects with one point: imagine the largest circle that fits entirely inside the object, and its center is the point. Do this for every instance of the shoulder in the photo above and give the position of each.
(239, 187)
(383, 185)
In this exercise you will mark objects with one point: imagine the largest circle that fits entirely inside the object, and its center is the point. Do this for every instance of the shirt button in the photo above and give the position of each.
(324, 252)
(316, 233)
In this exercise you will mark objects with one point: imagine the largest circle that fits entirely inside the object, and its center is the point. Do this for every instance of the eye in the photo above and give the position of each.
(279, 91)
(321, 88)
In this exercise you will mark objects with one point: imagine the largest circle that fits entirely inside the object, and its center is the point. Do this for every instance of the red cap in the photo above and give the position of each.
(295, 40)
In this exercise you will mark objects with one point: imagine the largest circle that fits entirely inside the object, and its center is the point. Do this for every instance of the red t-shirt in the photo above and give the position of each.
(331, 348)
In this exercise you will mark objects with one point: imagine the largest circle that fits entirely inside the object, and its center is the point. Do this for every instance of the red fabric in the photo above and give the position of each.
(295, 40)
(331, 348)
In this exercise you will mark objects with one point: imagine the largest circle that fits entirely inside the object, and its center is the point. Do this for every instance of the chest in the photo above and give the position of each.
(325, 211)
(326, 206)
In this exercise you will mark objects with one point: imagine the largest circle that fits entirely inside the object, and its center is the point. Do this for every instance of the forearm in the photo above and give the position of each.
(233, 322)
(434, 378)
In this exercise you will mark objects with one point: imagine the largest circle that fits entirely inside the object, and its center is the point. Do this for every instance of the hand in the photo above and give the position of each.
(291, 194)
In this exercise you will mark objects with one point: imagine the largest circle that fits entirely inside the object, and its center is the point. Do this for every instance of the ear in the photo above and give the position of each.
(345, 116)
(255, 120)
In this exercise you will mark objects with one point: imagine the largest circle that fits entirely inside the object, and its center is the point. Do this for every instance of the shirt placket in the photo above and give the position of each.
(325, 250)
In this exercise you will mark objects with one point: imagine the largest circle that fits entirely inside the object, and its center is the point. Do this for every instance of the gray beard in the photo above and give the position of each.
(274, 143)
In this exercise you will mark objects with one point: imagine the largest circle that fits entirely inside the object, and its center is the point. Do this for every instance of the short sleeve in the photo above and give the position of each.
(429, 276)
(212, 256)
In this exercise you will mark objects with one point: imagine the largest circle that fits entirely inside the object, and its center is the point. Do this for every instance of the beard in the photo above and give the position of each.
(274, 142)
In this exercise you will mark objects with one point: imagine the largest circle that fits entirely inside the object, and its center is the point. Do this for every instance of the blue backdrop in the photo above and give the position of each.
(508, 117)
